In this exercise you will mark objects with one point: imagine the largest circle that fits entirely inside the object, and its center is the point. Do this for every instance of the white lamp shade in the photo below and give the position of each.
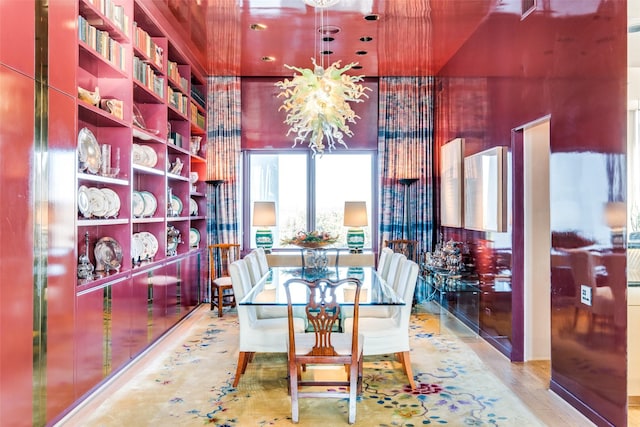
(355, 214)
(264, 214)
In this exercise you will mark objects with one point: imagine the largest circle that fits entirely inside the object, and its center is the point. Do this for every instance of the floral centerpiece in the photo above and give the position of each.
(311, 239)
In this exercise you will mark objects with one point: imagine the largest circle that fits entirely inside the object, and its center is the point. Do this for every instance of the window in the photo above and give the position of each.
(310, 192)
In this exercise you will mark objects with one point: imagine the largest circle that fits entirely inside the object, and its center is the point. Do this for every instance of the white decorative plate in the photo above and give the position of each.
(150, 157)
(137, 204)
(113, 202)
(89, 150)
(176, 205)
(150, 203)
(193, 207)
(194, 237)
(83, 202)
(150, 244)
(137, 247)
(137, 155)
(97, 202)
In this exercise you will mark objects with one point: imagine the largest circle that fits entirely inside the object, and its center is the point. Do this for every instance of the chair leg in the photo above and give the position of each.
(243, 360)
(211, 296)
(406, 365)
(293, 387)
(353, 390)
(220, 302)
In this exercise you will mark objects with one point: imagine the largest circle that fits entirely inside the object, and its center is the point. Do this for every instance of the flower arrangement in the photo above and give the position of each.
(310, 239)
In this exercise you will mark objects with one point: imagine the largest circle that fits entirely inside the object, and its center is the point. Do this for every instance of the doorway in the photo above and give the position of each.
(537, 241)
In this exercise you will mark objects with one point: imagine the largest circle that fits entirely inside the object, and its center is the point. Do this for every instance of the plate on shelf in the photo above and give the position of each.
(137, 247)
(176, 205)
(83, 202)
(88, 151)
(193, 207)
(150, 244)
(150, 158)
(194, 237)
(98, 204)
(150, 203)
(108, 254)
(113, 202)
(137, 204)
(137, 155)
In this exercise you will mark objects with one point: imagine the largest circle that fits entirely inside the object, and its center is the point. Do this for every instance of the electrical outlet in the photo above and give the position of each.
(585, 294)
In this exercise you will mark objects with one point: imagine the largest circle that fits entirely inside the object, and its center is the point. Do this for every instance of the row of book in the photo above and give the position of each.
(174, 74)
(198, 96)
(196, 116)
(101, 42)
(114, 12)
(143, 42)
(177, 100)
(145, 75)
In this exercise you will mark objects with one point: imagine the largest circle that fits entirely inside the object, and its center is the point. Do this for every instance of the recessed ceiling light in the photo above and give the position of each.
(366, 39)
(372, 17)
(361, 52)
(258, 27)
(328, 30)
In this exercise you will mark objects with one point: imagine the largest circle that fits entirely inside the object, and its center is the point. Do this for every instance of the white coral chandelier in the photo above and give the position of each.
(317, 100)
(317, 104)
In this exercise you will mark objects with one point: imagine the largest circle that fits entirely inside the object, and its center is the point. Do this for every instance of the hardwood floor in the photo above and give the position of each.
(528, 380)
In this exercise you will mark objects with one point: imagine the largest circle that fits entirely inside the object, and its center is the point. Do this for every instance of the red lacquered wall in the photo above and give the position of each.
(16, 268)
(569, 64)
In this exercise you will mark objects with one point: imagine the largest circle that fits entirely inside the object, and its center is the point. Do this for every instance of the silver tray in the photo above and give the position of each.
(108, 254)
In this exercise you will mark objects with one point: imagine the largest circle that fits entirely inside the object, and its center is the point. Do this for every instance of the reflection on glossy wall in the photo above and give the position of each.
(565, 61)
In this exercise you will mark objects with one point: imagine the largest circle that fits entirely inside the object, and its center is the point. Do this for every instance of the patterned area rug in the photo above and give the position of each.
(190, 385)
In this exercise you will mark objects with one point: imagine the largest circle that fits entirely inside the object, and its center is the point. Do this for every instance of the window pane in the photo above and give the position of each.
(281, 178)
(340, 178)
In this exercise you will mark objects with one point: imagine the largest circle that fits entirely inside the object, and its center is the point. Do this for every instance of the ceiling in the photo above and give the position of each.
(221, 33)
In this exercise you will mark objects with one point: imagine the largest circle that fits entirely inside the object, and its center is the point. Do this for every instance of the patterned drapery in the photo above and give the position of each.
(405, 150)
(223, 159)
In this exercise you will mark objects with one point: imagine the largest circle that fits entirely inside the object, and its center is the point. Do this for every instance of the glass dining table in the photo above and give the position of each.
(269, 290)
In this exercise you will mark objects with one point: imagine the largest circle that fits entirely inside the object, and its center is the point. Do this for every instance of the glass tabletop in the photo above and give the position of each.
(270, 289)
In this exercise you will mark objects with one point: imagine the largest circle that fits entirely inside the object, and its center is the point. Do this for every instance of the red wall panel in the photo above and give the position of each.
(62, 260)
(16, 268)
(570, 66)
(17, 28)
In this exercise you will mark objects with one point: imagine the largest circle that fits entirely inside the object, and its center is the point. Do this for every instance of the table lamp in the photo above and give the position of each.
(264, 215)
(355, 217)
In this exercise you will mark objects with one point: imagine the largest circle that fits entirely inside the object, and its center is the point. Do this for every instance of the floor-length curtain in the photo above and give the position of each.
(405, 150)
(223, 159)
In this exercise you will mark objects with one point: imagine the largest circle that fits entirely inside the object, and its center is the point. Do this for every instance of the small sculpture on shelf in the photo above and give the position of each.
(85, 268)
(173, 239)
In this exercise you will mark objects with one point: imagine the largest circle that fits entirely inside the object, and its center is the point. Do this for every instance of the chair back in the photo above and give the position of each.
(221, 255)
(394, 269)
(241, 282)
(323, 314)
(254, 267)
(405, 288)
(383, 261)
(262, 260)
(406, 247)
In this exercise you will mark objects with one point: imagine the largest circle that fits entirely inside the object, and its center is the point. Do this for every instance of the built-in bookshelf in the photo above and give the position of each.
(141, 129)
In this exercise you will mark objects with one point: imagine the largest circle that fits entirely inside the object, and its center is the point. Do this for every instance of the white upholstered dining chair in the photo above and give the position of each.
(390, 334)
(256, 335)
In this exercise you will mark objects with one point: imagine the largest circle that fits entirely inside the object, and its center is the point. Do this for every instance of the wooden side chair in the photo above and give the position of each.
(324, 346)
(221, 255)
(408, 248)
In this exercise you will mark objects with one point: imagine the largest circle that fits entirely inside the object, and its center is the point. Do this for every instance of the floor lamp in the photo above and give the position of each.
(406, 219)
(216, 190)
